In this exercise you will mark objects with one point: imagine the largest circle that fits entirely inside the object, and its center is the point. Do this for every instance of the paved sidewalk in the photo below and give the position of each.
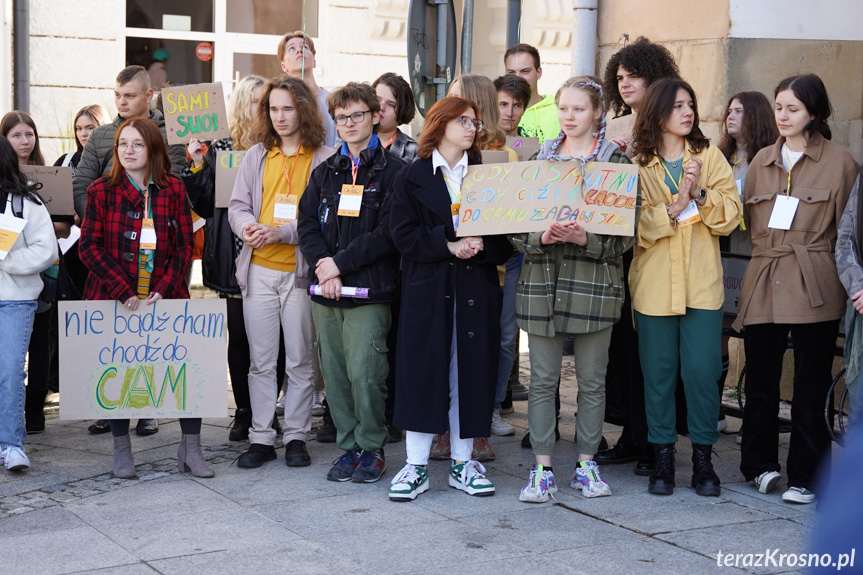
(69, 515)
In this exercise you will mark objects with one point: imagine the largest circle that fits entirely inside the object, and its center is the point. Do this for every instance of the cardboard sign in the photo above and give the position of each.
(195, 111)
(733, 270)
(524, 148)
(494, 156)
(529, 196)
(227, 168)
(620, 127)
(56, 188)
(164, 360)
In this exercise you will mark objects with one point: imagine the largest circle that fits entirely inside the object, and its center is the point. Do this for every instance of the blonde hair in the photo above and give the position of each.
(96, 113)
(242, 123)
(481, 90)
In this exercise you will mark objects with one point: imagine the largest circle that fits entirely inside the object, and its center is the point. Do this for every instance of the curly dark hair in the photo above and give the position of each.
(642, 58)
(658, 106)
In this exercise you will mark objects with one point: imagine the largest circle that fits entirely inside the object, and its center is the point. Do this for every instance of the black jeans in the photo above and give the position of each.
(814, 347)
(38, 367)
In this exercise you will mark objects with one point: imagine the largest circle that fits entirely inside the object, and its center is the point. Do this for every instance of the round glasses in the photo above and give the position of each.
(467, 123)
(356, 118)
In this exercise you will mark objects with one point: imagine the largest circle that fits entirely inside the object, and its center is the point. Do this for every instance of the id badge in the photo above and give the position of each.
(285, 210)
(689, 216)
(351, 201)
(148, 235)
(783, 212)
(454, 208)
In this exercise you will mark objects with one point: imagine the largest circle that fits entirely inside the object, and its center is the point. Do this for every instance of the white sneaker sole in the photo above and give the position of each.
(17, 465)
(409, 496)
(793, 497)
(533, 497)
(503, 432)
(481, 492)
(768, 482)
(604, 491)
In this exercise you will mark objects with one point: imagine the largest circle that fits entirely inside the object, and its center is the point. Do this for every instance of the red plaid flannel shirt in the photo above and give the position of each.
(110, 236)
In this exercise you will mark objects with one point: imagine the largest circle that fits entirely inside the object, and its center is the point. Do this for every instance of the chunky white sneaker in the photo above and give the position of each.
(280, 403)
(14, 459)
(408, 483)
(469, 476)
(588, 479)
(793, 495)
(499, 426)
(767, 481)
(317, 403)
(540, 486)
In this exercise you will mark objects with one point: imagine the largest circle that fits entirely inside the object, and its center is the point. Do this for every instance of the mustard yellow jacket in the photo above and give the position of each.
(678, 267)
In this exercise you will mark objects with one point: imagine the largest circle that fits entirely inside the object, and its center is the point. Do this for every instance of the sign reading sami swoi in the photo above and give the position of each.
(529, 196)
(195, 111)
(165, 360)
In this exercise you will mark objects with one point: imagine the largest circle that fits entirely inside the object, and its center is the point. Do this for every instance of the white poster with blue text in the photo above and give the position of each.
(166, 360)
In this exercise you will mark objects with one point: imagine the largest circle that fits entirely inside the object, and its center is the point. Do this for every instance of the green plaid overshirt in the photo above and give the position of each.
(566, 288)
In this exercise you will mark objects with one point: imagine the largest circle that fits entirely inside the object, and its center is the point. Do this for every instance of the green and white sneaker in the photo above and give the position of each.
(408, 483)
(469, 476)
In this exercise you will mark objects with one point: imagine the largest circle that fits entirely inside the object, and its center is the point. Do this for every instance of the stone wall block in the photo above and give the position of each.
(74, 62)
(54, 109)
(662, 20)
(704, 67)
(79, 18)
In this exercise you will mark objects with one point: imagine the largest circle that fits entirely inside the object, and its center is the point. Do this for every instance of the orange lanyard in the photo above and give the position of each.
(290, 174)
(147, 203)
(568, 153)
(391, 140)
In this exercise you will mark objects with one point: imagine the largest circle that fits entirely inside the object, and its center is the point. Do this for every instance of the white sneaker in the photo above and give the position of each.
(767, 481)
(499, 426)
(470, 478)
(588, 479)
(408, 483)
(794, 495)
(317, 403)
(280, 403)
(540, 486)
(14, 459)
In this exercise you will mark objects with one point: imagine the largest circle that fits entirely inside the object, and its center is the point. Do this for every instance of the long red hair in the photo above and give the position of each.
(438, 117)
(158, 162)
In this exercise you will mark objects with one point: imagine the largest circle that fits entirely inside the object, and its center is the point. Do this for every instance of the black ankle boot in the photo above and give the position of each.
(704, 479)
(242, 423)
(662, 480)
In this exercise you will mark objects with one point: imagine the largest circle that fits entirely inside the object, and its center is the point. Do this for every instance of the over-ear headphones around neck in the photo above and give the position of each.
(343, 162)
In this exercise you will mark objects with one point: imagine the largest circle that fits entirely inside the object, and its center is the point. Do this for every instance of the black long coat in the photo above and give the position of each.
(432, 281)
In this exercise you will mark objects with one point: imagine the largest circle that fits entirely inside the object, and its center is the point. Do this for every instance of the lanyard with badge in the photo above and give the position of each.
(690, 215)
(285, 208)
(351, 199)
(785, 206)
(455, 197)
(148, 228)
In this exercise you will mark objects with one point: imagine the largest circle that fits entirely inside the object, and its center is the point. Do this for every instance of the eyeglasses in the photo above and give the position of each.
(137, 146)
(356, 118)
(467, 123)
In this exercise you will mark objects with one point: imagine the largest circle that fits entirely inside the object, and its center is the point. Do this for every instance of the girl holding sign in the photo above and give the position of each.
(136, 239)
(688, 199)
(27, 246)
(445, 374)
(794, 195)
(565, 263)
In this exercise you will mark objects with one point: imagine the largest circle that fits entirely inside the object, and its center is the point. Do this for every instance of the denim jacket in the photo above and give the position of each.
(361, 246)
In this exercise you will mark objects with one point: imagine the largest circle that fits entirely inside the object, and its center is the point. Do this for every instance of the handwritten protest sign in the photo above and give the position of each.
(56, 188)
(227, 168)
(10, 230)
(195, 111)
(168, 359)
(530, 196)
(620, 127)
(523, 147)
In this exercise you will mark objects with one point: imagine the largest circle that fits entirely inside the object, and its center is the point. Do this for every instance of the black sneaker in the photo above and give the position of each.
(327, 431)
(370, 467)
(296, 454)
(147, 427)
(99, 426)
(242, 423)
(257, 455)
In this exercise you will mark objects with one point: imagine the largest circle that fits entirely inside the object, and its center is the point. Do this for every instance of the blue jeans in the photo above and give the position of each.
(508, 328)
(16, 324)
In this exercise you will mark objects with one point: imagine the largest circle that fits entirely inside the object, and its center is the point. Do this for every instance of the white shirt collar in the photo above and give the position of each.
(460, 168)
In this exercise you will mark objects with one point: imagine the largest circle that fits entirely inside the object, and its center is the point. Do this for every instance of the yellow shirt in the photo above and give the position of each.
(277, 168)
(677, 267)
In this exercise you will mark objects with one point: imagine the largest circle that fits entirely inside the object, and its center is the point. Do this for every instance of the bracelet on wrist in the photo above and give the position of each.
(670, 217)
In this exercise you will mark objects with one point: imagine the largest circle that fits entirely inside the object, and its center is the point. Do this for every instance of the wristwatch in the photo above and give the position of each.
(701, 196)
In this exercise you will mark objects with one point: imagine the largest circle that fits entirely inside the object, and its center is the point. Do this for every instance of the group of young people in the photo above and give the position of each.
(408, 326)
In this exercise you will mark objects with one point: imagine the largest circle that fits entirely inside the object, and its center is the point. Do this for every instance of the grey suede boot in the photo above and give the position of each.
(124, 465)
(190, 457)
